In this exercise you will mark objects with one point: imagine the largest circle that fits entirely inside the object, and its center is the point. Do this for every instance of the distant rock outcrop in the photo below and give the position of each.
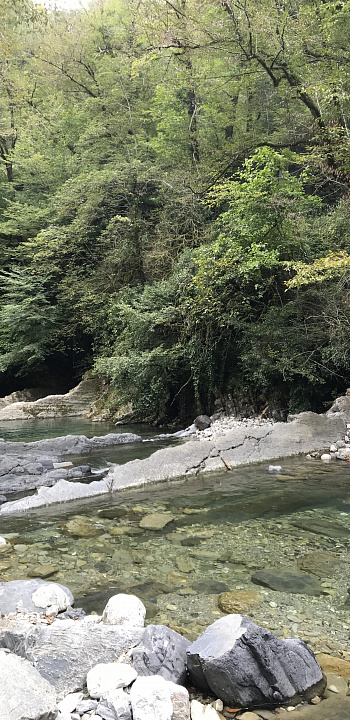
(73, 404)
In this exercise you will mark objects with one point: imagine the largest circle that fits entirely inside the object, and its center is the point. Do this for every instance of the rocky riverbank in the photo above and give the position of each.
(56, 662)
(249, 442)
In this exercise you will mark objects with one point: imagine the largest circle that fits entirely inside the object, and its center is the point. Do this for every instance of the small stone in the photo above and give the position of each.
(315, 700)
(85, 706)
(2, 541)
(150, 699)
(239, 601)
(249, 716)
(203, 712)
(70, 702)
(156, 521)
(106, 677)
(185, 564)
(326, 457)
(124, 610)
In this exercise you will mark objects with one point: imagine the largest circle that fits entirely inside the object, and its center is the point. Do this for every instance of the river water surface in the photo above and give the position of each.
(223, 528)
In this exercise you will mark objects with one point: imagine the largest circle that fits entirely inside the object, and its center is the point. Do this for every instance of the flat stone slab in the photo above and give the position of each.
(290, 582)
(329, 528)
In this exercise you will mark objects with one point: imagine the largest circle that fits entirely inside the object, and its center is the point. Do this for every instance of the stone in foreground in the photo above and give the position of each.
(150, 699)
(124, 609)
(24, 694)
(115, 706)
(107, 677)
(245, 665)
(65, 652)
(162, 651)
(33, 595)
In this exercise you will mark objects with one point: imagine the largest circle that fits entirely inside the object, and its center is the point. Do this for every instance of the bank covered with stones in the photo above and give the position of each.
(56, 662)
(251, 443)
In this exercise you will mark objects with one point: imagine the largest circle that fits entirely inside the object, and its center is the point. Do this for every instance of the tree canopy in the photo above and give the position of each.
(174, 200)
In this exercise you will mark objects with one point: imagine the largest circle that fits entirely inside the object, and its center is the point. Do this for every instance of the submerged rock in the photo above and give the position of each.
(156, 521)
(245, 665)
(291, 582)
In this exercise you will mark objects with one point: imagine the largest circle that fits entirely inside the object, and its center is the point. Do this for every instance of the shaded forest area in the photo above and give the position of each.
(174, 201)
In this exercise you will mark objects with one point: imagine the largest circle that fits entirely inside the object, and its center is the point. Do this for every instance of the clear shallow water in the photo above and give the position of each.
(30, 430)
(223, 528)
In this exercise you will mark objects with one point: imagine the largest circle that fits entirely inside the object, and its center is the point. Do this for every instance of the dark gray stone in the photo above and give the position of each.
(245, 665)
(3, 499)
(202, 422)
(290, 582)
(71, 614)
(21, 591)
(329, 528)
(162, 651)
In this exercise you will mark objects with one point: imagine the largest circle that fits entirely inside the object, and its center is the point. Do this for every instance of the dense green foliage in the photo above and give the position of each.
(174, 200)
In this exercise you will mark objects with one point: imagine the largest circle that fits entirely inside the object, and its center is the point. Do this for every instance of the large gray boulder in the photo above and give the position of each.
(24, 694)
(245, 665)
(64, 652)
(162, 651)
(33, 595)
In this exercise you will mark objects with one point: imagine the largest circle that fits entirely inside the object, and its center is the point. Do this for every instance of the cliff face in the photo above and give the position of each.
(73, 404)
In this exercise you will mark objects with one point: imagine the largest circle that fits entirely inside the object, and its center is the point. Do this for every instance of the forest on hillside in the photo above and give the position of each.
(174, 201)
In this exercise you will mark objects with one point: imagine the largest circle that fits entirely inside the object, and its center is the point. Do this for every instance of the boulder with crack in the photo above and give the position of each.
(245, 665)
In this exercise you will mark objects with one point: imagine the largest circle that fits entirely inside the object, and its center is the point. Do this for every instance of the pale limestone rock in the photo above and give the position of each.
(24, 694)
(150, 699)
(106, 677)
(124, 609)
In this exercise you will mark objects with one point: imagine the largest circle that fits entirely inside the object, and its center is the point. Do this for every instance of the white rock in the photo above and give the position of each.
(180, 700)
(70, 702)
(150, 699)
(275, 468)
(51, 594)
(203, 712)
(333, 449)
(24, 693)
(2, 541)
(326, 457)
(106, 677)
(91, 619)
(124, 610)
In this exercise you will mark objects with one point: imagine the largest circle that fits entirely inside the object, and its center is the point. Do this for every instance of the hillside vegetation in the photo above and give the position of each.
(174, 201)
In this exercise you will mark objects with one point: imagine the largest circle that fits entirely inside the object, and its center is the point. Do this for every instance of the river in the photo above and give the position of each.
(223, 528)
